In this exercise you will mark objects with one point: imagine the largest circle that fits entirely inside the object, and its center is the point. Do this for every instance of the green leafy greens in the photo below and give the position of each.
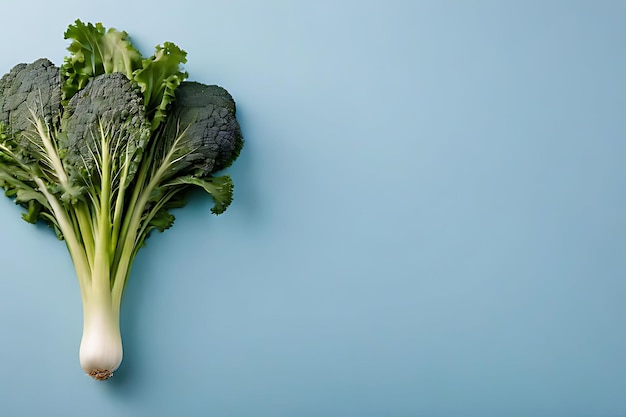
(101, 149)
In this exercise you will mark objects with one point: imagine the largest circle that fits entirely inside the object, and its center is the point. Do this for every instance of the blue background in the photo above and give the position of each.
(430, 219)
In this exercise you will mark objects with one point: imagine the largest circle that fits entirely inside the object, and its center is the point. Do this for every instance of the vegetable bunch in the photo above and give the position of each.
(101, 149)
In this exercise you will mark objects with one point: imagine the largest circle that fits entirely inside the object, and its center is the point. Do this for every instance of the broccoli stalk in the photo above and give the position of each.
(101, 150)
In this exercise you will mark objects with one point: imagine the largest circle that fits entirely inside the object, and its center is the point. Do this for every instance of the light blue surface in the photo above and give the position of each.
(430, 219)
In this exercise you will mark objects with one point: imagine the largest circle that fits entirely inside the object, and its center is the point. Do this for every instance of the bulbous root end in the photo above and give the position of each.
(100, 350)
(100, 374)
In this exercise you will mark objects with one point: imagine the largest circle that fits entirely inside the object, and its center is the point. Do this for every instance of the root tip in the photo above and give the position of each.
(100, 374)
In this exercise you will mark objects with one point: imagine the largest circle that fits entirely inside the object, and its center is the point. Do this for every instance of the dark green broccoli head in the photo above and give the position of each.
(36, 87)
(212, 137)
(110, 104)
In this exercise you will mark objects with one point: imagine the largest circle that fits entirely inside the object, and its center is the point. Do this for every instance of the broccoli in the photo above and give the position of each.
(110, 101)
(101, 149)
(35, 86)
(212, 133)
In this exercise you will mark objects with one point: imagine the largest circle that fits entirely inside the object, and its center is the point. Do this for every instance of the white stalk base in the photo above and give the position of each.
(101, 346)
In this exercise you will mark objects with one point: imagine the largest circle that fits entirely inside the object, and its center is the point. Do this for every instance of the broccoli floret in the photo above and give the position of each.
(36, 87)
(110, 102)
(205, 115)
(29, 93)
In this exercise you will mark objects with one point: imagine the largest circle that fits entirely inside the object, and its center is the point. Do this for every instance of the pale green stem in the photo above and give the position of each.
(132, 228)
(77, 251)
(119, 204)
(51, 150)
(87, 229)
(102, 262)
